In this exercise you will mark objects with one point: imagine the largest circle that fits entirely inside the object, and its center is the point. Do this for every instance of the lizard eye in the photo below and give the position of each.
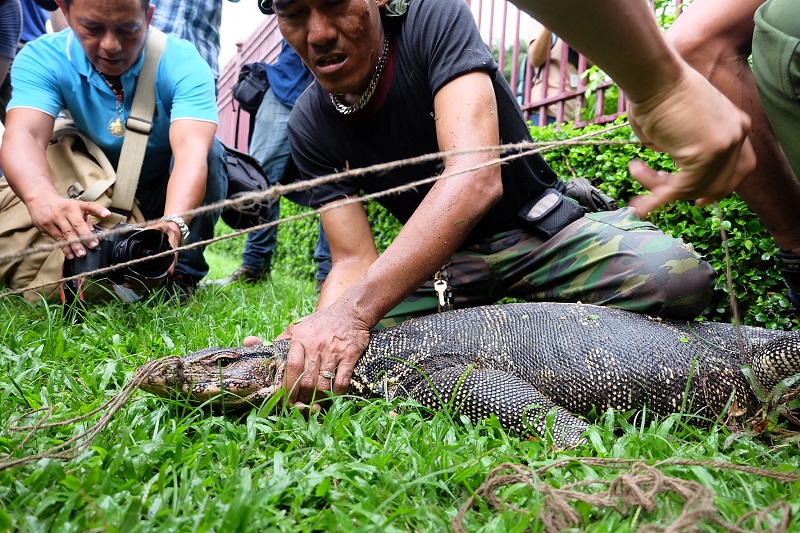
(224, 361)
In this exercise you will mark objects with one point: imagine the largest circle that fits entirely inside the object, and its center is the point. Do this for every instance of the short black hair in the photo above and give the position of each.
(49, 5)
(145, 4)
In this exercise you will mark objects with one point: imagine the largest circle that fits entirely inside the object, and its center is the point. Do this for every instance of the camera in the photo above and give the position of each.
(128, 245)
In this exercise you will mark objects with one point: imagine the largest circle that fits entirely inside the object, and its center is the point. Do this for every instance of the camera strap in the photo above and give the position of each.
(138, 127)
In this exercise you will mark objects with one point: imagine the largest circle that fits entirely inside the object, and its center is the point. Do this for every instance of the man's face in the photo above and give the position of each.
(112, 32)
(340, 41)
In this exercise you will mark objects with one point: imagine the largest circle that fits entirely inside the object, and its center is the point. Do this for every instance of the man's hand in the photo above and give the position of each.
(63, 219)
(174, 235)
(704, 133)
(673, 108)
(323, 350)
(25, 164)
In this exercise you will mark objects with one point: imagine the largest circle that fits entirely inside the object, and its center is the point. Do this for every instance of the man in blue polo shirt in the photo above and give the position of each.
(92, 71)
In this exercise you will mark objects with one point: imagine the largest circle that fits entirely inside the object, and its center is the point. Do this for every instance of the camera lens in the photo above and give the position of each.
(144, 243)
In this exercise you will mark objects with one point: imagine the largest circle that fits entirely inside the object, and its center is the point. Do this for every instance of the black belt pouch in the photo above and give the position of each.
(549, 213)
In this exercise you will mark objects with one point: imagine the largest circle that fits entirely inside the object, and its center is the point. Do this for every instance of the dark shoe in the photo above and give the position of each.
(247, 275)
(318, 286)
(179, 287)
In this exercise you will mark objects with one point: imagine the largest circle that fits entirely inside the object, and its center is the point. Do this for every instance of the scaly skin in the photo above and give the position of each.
(239, 377)
(519, 362)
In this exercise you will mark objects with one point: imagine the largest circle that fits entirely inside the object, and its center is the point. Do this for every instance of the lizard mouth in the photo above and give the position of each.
(203, 390)
(162, 377)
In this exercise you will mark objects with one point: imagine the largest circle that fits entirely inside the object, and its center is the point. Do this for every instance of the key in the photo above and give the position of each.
(440, 286)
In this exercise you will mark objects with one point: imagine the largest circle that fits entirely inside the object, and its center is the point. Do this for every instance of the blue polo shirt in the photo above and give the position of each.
(52, 73)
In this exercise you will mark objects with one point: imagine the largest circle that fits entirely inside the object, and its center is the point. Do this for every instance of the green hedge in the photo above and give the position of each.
(298, 238)
(296, 241)
(756, 280)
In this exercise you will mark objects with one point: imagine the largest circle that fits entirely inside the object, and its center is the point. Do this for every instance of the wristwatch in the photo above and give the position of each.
(181, 225)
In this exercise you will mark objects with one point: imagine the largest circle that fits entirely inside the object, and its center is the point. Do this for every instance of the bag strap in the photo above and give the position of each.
(138, 126)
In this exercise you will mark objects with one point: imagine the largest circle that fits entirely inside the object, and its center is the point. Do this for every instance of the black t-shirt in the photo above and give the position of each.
(436, 42)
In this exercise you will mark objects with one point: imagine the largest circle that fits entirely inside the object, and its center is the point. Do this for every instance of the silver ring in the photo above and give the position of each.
(328, 374)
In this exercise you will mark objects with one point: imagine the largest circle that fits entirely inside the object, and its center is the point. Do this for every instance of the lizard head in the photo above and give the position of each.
(233, 378)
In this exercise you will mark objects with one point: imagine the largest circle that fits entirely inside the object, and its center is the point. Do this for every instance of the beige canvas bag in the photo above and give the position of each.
(80, 170)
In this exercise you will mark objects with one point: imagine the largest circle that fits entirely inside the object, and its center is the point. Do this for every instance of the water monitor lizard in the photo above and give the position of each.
(520, 361)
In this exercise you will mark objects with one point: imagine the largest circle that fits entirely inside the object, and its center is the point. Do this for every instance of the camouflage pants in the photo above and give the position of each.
(608, 258)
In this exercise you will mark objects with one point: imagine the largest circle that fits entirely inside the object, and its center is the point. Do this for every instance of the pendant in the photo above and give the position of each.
(116, 127)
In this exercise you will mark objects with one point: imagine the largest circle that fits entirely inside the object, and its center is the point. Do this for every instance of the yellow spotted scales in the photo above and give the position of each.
(521, 362)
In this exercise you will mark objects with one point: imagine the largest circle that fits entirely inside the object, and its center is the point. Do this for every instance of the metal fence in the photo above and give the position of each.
(503, 27)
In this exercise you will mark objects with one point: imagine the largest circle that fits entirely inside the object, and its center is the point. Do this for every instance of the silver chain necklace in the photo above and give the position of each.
(373, 84)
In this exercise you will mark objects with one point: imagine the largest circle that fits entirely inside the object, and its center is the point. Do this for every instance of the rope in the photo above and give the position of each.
(521, 149)
(636, 487)
(281, 190)
(70, 448)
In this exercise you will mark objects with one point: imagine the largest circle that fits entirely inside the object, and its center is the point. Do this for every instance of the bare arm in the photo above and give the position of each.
(712, 31)
(190, 141)
(466, 117)
(352, 250)
(539, 45)
(620, 36)
(335, 337)
(25, 165)
(673, 108)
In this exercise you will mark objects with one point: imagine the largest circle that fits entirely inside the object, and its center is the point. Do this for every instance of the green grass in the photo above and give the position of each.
(366, 465)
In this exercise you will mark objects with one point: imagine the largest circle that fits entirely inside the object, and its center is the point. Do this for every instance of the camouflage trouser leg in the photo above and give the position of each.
(608, 258)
